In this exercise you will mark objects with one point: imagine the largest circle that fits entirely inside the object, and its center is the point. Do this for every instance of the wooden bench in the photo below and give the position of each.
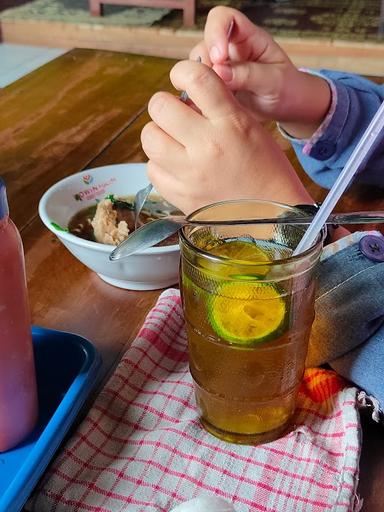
(187, 6)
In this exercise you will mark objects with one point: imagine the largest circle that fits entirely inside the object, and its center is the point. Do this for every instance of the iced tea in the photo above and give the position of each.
(248, 308)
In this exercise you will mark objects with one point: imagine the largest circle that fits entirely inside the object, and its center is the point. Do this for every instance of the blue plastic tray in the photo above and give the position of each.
(66, 366)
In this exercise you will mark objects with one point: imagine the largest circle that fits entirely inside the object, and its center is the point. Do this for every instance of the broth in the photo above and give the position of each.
(154, 208)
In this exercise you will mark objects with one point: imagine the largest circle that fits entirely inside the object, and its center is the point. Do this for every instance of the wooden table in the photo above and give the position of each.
(83, 110)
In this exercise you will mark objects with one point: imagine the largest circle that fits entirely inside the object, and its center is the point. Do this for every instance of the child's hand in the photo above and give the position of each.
(264, 79)
(215, 152)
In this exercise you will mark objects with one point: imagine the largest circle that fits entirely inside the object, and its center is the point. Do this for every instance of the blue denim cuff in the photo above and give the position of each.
(357, 102)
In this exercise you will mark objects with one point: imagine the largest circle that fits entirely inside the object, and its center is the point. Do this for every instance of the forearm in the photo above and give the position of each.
(308, 100)
(338, 233)
(355, 100)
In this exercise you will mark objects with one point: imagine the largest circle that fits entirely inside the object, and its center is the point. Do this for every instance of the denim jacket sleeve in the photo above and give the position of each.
(348, 330)
(357, 100)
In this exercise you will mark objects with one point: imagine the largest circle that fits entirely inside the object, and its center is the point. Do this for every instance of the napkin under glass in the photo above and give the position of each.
(141, 447)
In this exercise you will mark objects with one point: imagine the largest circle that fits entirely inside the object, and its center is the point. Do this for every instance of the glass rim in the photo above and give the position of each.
(192, 215)
(223, 259)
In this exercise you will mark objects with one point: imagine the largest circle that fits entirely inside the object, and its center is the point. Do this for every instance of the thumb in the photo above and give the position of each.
(259, 79)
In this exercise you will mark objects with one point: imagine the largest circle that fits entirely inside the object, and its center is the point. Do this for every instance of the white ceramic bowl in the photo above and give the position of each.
(149, 269)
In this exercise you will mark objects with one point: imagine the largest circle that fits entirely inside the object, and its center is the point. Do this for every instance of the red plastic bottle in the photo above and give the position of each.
(18, 393)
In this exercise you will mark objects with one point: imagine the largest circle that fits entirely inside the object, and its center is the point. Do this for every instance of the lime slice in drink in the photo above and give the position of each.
(246, 312)
(238, 253)
(240, 250)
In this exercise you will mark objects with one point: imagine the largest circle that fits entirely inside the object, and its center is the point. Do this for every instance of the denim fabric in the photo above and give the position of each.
(365, 366)
(357, 102)
(348, 330)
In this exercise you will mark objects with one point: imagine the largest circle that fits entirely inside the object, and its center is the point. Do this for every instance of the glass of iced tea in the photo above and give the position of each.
(248, 305)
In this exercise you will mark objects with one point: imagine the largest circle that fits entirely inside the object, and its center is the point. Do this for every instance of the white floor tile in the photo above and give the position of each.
(18, 60)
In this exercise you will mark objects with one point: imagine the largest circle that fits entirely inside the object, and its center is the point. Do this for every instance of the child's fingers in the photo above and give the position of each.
(171, 185)
(181, 122)
(160, 147)
(200, 52)
(230, 35)
(260, 79)
(207, 91)
(252, 43)
(221, 23)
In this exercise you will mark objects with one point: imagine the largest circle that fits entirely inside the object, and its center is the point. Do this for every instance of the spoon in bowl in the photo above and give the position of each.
(158, 230)
(140, 198)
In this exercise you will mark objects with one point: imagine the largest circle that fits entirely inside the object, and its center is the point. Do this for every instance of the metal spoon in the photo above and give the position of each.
(140, 198)
(156, 231)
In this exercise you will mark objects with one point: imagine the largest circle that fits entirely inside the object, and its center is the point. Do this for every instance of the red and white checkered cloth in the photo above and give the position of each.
(141, 447)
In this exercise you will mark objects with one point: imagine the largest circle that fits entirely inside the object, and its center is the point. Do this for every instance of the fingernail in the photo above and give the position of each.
(215, 54)
(225, 72)
(156, 103)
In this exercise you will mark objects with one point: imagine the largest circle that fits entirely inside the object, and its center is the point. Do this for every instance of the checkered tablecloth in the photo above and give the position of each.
(141, 446)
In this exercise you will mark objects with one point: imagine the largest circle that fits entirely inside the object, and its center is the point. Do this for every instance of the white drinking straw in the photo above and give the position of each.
(351, 167)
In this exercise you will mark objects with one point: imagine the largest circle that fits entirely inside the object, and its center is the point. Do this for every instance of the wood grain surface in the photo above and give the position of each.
(86, 109)
(59, 118)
